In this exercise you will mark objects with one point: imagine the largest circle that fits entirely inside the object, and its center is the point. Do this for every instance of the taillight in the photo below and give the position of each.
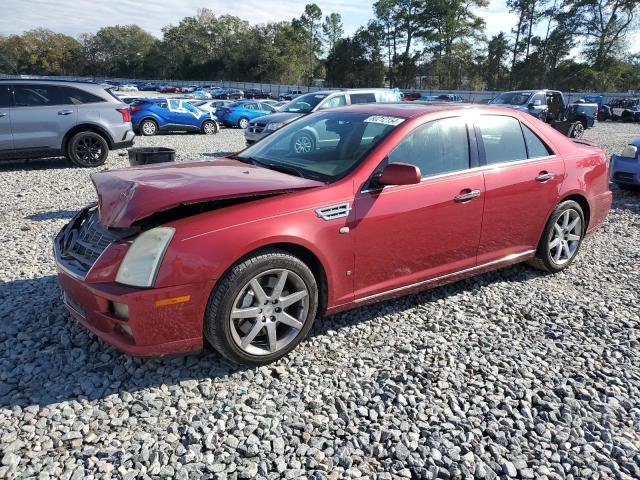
(135, 109)
(226, 110)
(126, 114)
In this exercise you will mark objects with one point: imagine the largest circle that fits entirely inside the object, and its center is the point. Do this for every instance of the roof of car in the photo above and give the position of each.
(414, 109)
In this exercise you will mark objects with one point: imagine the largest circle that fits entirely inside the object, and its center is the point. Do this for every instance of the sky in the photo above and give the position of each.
(73, 17)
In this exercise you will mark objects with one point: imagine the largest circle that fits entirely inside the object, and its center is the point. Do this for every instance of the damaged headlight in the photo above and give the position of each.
(141, 262)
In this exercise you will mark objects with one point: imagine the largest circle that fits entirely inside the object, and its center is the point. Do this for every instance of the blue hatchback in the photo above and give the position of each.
(625, 167)
(152, 115)
(239, 114)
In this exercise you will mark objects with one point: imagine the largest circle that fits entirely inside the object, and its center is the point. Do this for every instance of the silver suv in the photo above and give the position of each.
(43, 118)
(312, 102)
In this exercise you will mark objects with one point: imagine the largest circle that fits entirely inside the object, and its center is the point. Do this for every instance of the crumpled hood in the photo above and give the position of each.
(128, 195)
(282, 117)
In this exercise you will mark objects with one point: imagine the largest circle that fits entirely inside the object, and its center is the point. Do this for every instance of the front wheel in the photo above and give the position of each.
(243, 123)
(262, 308)
(87, 149)
(561, 239)
(209, 127)
(303, 143)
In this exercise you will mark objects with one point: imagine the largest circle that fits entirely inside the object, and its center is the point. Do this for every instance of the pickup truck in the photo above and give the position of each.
(551, 107)
(625, 109)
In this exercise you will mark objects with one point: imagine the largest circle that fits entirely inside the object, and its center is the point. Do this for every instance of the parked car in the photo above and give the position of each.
(312, 102)
(410, 96)
(625, 166)
(624, 109)
(153, 115)
(201, 94)
(45, 118)
(211, 105)
(128, 99)
(238, 114)
(290, 95)
(247, 251)
(444, 97)
(550, 107)
(228, 94)
(189, 89)
(169, 89)
(148, 86)
(129, 87)
(256, 93)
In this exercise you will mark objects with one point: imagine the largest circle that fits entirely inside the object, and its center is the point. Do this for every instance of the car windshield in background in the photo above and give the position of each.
(324, 146)
(305, 103)
(511, 98)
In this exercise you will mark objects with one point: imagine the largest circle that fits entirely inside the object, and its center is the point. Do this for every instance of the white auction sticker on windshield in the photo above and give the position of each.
(384, 119)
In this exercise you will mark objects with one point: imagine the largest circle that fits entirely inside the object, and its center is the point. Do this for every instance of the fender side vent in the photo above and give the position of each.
(334, 211)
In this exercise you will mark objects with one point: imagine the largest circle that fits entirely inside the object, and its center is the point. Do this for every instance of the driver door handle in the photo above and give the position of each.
(544, 176)
(469, 195)
(65, 112)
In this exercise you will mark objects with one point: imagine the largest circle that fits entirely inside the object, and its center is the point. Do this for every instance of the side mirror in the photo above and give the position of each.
(531, 105)
(399, 174)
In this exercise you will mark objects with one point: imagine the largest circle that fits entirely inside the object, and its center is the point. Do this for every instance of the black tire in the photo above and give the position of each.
(303, 142)
(544, 259)
(243, 123)
(148, 127)
(217, 323)
(87, 149)
(209, 127)
(577, 130)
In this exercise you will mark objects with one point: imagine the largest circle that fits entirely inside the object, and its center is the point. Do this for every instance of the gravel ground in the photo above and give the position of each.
(509, 374)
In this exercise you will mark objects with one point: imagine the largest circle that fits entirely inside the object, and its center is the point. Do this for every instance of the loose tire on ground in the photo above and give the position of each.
(236, 308)
(547, 258)
(87, 149)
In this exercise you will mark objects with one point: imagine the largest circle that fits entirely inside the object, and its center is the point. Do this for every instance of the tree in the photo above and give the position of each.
(497, 53)
(41, 52)
(356, 61)
(332, 29)
(118, 51)
(310, 22)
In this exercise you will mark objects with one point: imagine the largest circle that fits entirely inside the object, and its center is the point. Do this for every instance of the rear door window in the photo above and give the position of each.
(535, 147)
(502, 139)
(362, 98)
(38, 95)
(337, 101)
(78, 97)
(5, 96)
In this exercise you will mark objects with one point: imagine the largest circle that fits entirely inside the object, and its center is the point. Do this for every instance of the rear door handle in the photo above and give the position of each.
(3, 115)
(465, 197)
(65, 112)
(544, 176)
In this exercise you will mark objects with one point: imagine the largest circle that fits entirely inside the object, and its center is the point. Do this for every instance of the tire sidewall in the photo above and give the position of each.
(217, 319)
(543, 250)
(79, 162)
(215, 127)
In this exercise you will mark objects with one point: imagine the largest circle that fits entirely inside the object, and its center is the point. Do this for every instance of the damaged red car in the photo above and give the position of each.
(337, 209)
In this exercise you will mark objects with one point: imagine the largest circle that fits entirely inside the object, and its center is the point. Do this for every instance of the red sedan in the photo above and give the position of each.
(246, 251)
(169, 89)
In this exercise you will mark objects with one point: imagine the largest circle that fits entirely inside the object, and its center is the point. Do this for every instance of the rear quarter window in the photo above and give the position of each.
(535, 147)
(502, 139)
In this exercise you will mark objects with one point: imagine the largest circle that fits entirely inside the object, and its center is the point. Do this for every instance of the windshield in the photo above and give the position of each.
(323, 146)
(511, 98)
(305, 103)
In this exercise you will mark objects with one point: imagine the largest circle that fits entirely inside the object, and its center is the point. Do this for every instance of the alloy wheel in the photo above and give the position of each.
(149, 128)
(243, 123)
(209, 128)
(269, 312)
(89, 150)
(303, 144)
(578, 130)
(564, 238)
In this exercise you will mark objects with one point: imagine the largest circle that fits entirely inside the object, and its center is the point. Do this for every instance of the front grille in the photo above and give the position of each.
(624, 177)
(256, 127)
(83, 241)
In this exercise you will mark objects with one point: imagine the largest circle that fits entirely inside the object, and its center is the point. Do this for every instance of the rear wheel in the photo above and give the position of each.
(209, 127)
(88, 149)
(561, 239)
(577, 130)
(148, 128)
(303, 143)
(262, 308)
(243, 123)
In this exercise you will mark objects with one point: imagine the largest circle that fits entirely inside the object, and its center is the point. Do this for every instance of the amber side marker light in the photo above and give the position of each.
(172, 301)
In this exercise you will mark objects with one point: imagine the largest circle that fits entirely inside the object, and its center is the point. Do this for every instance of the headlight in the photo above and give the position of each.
(274, 126)
(630, 151)
(141, 262)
